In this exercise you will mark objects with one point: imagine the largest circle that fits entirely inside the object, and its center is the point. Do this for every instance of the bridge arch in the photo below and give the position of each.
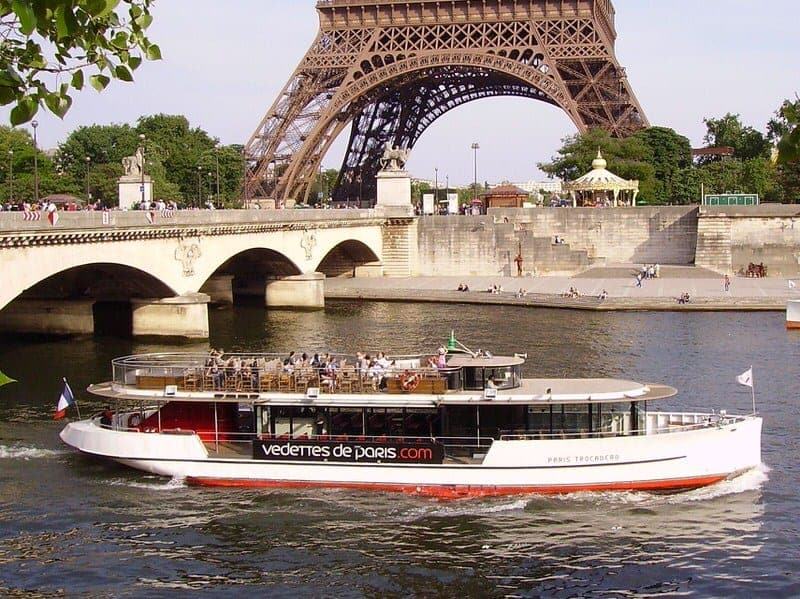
(345, 258)
(136, 277)
(90, 298)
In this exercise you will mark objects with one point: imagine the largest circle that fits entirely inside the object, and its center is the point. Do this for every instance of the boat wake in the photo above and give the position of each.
(20, 452)
(752, 480)
(171, 485)
(468, 508)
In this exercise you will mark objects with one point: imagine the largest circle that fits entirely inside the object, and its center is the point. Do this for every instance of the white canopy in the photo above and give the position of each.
(599, 182)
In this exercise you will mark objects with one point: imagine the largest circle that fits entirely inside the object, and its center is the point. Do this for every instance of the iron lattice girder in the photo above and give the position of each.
(371, 57)
(411, 109)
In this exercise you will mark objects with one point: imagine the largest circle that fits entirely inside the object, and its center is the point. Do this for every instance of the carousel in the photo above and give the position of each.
(602, 188)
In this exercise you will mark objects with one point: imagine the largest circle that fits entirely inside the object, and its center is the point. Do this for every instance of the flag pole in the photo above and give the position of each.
(74, 399)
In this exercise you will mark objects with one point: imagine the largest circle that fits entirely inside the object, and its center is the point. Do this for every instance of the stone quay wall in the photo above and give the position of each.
(730, 238)
(488, 245)
(724, 239)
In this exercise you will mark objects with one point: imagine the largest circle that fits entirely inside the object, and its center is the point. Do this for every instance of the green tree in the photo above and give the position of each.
(181, 148)
(20, 143)
(49, 46)
(103, 144)
(630, 158)
(670, 154)
(747, 142)
(231, 169)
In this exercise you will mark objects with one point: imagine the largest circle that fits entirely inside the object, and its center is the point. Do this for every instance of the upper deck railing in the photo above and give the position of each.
(263, 373)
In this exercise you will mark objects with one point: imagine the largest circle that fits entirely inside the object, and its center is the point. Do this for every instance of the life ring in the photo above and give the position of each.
(134, 421)
(409, 381)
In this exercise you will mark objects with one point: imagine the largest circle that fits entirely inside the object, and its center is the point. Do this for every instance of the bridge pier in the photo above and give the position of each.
(48, 317)
(184, 316)
(220, 289)
(299, 292)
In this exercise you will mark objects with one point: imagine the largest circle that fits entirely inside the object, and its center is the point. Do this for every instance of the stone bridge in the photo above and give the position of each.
(164, 269)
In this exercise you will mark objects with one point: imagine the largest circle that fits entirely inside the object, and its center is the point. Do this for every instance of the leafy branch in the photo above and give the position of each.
(48, 47)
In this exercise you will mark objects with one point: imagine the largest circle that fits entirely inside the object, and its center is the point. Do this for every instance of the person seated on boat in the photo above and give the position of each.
(106, 418)
(361, 362)
(432, 362)
(383, 361)
(490, 384)
(289, 360)
(217, 375)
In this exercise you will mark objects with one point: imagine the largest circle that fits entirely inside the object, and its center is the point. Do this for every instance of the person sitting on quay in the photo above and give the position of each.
(684, 299)
(603, 295)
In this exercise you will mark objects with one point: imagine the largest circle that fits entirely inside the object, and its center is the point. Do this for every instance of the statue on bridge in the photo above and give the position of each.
(394, 158)
(134, 165)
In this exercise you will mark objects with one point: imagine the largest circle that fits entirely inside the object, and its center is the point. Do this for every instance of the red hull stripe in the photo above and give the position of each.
(464, 491)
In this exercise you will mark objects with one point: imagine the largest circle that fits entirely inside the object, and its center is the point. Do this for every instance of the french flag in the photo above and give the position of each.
(66, 400)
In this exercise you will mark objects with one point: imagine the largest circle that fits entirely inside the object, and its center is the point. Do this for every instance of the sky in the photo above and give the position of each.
(226, 61)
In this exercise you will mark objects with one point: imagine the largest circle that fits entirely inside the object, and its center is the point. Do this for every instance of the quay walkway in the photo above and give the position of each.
(705, 289)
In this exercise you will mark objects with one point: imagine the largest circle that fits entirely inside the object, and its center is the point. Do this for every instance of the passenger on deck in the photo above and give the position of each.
(441, 358)
(106, 417)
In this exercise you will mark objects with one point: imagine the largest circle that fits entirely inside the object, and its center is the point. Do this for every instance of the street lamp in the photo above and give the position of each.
(35, 125)
(216, 162)
(11, 175)
(475, 147)
(199, 196)
(88, 194)
(142, 140)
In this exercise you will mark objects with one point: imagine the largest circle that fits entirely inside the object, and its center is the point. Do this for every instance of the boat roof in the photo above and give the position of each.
(467, 361)
(540, 392)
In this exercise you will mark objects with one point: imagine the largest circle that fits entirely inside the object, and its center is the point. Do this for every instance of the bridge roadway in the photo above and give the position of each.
(63, 278)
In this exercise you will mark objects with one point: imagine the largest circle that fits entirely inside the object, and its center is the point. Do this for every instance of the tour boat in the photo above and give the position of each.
(472, 427)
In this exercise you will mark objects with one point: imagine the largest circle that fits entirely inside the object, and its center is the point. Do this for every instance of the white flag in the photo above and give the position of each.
(746, 378)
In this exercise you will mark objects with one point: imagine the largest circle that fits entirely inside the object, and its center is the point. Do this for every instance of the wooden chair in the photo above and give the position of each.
(285, 382)
(232, 380)
(191, 380)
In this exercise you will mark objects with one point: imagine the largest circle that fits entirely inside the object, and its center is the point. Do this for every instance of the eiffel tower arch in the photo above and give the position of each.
(391, 68)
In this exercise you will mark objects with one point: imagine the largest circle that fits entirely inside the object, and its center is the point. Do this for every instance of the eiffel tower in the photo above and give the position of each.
(390, 68)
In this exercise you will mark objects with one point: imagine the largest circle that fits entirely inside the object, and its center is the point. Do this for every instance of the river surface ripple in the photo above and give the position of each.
(81, 527)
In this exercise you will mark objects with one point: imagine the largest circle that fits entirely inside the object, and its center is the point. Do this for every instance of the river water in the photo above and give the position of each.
(76, 526)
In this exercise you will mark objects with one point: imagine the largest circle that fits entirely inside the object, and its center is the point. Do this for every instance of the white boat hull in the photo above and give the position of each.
(656, 462)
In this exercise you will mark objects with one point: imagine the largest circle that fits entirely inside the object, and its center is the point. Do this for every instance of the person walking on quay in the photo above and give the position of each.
(518, 261)
(638, 279)
(727, 283)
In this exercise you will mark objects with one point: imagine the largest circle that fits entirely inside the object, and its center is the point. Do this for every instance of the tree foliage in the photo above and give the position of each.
(51, 47)
(728, 131)
(785, 131)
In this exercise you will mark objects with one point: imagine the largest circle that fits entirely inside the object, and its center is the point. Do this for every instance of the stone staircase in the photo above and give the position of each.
(400, 248)
(714, 244)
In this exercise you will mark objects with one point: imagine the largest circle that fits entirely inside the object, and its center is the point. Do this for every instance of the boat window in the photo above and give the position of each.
(505, 377)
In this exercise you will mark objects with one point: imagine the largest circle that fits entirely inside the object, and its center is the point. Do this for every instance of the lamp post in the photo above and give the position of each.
(88, 194)
(11, 175)
(475, 147)
(35, 125)
(142, 140)
(436, 187)
(199, 196)
(216, 162)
